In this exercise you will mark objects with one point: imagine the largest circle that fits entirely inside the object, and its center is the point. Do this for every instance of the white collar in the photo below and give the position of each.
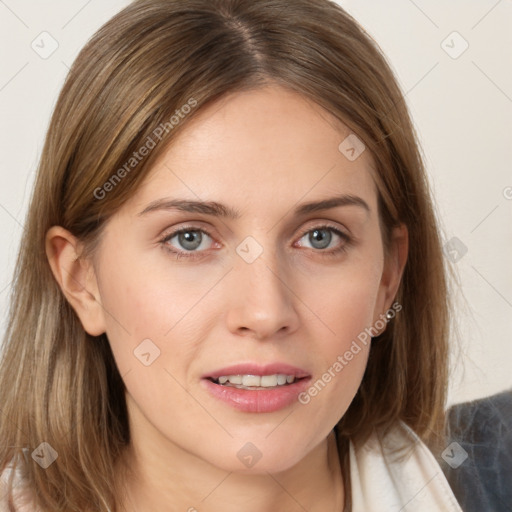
(398, 473)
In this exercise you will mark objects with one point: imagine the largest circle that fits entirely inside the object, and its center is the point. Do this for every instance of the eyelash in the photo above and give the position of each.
(198, 254)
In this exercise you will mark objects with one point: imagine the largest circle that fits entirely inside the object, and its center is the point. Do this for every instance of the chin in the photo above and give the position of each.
(261, 456)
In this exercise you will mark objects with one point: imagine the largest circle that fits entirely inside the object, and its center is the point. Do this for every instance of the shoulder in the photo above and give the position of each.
(482, 431)
(398, 472)
(485, 418)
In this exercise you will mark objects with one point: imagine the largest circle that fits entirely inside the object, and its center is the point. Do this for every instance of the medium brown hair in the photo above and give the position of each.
(60, 385)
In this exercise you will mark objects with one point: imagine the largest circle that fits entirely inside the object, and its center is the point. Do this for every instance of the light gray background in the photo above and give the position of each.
(462, 108)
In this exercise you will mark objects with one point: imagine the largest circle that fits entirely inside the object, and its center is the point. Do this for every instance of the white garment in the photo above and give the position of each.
(383, 482)
(380, 481)
(21, 495)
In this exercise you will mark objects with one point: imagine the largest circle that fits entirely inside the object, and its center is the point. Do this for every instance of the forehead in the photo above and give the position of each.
(268, 144)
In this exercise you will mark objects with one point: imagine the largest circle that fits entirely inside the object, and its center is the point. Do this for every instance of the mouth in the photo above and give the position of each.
(256, 388)
(255, 382)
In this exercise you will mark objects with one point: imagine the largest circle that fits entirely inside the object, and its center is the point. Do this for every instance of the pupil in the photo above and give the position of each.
(317, 236)
(190, 239)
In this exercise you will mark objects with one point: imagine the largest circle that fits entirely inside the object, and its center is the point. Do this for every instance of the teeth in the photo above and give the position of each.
(257, 381)
(250, 380)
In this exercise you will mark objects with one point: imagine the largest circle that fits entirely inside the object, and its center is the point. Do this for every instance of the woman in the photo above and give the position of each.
(230, 292)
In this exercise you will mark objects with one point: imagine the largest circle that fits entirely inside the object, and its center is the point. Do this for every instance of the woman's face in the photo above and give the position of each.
(261, 287)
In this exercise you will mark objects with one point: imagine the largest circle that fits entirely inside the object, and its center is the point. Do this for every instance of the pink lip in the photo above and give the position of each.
(260, 400)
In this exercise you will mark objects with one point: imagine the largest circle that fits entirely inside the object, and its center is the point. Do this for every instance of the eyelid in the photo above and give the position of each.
(196, 225)
(324, 225)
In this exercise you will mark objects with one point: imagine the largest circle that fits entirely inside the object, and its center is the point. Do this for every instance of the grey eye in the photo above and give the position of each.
(190, 240)
(320, 238)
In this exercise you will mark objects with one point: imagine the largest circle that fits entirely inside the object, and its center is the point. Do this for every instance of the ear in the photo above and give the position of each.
(76, 278)
(392, 274)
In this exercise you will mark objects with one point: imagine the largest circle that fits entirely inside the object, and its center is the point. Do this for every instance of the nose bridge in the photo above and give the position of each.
(262, 300)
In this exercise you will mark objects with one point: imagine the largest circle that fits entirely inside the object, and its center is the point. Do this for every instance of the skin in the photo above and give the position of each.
(263, 153)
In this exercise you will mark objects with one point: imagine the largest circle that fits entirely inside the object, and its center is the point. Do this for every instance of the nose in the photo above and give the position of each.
(262, 303)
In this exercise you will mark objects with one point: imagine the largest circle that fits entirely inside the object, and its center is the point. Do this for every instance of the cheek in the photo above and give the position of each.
(344, 311)
(150, 309)
(343, 300)
(347, 311)
(140, 305)
(155, 333)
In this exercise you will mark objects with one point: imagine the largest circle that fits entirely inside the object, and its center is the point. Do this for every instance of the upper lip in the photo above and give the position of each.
(258, 369)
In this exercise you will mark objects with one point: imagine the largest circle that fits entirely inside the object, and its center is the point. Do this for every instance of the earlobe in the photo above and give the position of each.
(76, 278)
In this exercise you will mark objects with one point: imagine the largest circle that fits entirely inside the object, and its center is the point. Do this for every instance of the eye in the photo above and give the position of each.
(192, 242)
(321, 238)
(188, 240)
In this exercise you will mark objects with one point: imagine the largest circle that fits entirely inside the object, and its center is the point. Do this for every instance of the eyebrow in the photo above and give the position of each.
(216, 209)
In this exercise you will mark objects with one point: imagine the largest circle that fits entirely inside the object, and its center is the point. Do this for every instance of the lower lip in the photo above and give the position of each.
(257, 400)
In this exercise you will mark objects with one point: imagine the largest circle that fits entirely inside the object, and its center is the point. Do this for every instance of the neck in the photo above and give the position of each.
(151, 481)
